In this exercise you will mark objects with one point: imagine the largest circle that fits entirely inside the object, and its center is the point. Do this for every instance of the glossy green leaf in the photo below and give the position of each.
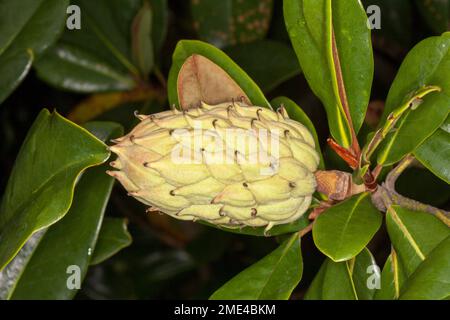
(436, 13)
(11, 274)
(142, 45)
(106, 31)
(414, 127)
(14, 67)
(366, 275)
(105, 37)
(70, 242)
(431, 280)
(67, 67)
(187, 48)
(112, 238)
(40, 188)
(268, 62)
(392, 278)
(336, 273)
(230, 22)
(296, 113)
(273, 277)
(355, 279)
(343, 230)
(434, 152)
(426, 64)
(414, 234)
(309, 24)
(27, 28)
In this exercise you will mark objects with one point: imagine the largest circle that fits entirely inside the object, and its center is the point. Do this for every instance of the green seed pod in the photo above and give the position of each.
(230, 164)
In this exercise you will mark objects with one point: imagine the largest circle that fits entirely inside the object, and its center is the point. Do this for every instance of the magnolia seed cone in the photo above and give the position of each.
(230, 164)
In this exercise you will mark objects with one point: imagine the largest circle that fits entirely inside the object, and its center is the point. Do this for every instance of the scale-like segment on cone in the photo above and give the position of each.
(230, 164)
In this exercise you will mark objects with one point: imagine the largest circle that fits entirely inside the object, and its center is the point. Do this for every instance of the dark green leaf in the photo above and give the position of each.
(431, 280)
(414, 128)
(14, 67)
(365, 274)
(273, 277)
(106, 31)
(105, 37)
(268, 62)
(159, 23)
(142, 45)
(79, 229)
(434, 153)
(296, 113)
(392, 279)
(309, 24)
(414, 234)
(187, 48)
(426, 64)
(27, 28)
(230, 22)
(40, 188)
(11, 274)
(354, 279)
(68, 67)
(343, 230)
(112, 238)
(70, 242)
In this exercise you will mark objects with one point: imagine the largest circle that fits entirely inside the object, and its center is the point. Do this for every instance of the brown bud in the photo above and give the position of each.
(337, 185)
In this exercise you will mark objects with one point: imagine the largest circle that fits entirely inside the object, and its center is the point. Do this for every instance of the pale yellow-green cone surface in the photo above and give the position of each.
(230, 164)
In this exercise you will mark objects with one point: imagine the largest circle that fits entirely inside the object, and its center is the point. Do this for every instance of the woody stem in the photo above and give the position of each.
(395, 198)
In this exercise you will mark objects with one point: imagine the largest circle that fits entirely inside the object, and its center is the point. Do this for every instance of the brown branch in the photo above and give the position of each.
(397, 171)
(386, 194)
(306, 230)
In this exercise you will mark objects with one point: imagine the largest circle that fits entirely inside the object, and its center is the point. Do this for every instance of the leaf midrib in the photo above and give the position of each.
(406, 233)
(116, 52)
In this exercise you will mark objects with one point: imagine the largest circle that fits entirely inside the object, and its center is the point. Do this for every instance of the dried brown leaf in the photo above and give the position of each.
(200, 79)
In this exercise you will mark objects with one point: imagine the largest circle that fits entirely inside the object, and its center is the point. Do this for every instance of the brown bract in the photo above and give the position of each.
(200, 79)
